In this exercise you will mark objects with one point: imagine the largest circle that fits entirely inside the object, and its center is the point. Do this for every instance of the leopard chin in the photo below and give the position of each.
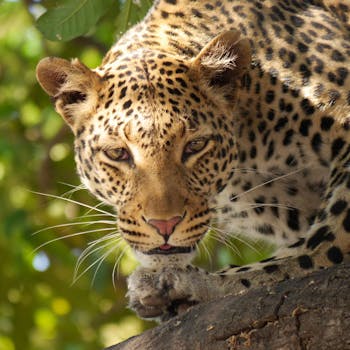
(175, 256)
(167, 249)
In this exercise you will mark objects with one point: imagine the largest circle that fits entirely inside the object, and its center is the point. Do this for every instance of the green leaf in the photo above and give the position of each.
(71, 18)
(131, 13)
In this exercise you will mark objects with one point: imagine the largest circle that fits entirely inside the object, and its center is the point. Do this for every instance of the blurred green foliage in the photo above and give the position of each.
(40, 308)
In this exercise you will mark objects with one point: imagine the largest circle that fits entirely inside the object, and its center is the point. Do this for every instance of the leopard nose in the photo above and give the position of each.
(165, 227)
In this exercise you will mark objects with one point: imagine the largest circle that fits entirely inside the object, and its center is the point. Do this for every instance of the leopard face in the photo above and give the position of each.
(151, 141)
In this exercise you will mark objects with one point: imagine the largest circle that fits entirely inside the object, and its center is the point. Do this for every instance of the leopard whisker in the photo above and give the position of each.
(103, 257)
(228, 220)
(91, 248)
(93, 215)
(72, 185)
(108, 236)
(100, 263)
(116, 265)
(71, 235)
(268, 182)
(112, 238)
(202, 245)
(74, 202)
(237, 237)
(256, 171)
(226, 242)
(271, 205)
(224, 221)
(82, 223)
(75, 188)
(96, 208)
(244, 205)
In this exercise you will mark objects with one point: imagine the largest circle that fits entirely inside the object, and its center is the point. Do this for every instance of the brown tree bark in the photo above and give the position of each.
(312, 312)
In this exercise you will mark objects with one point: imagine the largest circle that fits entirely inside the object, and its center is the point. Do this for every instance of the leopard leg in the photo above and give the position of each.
(328, 241)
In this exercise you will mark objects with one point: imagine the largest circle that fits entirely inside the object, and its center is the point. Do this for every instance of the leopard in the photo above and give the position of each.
(230, 112)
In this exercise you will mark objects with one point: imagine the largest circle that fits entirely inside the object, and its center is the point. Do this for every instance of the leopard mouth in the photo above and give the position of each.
(166, 249)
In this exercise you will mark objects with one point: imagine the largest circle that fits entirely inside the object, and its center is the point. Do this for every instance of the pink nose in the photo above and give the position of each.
(165, 227)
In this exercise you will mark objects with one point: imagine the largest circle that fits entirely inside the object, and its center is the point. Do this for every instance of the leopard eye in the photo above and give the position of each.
(117, 154)
(194, 146)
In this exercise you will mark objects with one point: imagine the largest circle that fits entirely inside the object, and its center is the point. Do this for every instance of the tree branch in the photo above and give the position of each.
(312, 312)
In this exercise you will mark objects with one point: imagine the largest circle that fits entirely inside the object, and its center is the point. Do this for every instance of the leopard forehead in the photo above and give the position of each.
(151, 99)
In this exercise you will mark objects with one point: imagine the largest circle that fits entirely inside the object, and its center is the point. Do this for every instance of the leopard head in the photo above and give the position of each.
(154, 137)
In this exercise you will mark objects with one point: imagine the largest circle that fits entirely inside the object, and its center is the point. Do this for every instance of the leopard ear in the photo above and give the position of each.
(221, 63)
(72, 87)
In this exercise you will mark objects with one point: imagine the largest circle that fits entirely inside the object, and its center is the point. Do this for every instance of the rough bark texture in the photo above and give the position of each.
(307, 313)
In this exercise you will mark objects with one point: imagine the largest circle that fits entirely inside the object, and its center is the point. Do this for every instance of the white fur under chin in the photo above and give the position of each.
(157, 261)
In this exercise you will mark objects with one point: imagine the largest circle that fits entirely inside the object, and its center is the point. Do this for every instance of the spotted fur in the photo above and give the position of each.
(233, 111)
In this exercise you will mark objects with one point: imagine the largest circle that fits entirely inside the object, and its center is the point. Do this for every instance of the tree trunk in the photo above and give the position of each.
(312, 312)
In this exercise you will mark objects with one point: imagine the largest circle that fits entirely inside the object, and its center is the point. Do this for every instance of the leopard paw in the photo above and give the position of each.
(160, 294)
